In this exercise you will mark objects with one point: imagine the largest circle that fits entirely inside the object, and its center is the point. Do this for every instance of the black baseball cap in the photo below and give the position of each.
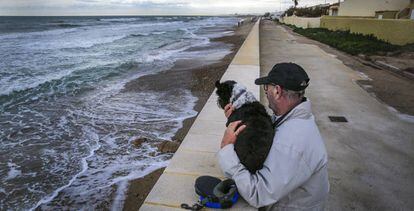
(288, 75)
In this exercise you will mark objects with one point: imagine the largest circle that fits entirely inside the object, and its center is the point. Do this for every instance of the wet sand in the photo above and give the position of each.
(198, 76)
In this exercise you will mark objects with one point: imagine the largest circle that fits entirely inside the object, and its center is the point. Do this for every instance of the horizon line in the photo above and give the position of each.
(235, 14)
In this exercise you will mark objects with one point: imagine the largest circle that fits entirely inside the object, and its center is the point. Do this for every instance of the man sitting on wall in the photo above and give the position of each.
(295, 174)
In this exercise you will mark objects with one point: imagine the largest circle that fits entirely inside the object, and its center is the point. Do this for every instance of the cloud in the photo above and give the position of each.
(145, 7)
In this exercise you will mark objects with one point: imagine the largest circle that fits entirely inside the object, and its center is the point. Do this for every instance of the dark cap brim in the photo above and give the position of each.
(262, 80)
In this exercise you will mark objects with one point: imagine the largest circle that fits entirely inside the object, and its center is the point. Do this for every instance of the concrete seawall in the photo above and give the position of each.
(197, 153)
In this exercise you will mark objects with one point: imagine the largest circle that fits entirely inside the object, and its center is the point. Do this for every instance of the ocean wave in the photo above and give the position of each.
(74, 37)
(93, 149)
(63, 24)
(13, 172)
(116, 161)
(47, 82)
(139, 34)
(21, 35)
(158, 32)
(31, 83)
(76, 42)
(228, 32)
(59, 21)
(68, 25)
(147, 34)
(162, 54)
(152, 24)
(119, 19)
(70, 82)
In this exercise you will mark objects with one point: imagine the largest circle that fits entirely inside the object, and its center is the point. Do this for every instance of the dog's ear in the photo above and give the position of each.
(217, 83)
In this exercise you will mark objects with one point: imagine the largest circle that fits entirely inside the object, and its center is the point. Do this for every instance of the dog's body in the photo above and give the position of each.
(254, 142)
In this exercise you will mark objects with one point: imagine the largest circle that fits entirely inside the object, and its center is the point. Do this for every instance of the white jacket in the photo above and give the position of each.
(295, 174)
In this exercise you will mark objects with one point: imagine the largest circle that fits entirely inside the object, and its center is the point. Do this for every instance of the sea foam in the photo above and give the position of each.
(68, 122)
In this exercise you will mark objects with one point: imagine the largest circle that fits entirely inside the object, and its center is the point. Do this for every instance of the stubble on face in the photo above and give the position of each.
(271, 100)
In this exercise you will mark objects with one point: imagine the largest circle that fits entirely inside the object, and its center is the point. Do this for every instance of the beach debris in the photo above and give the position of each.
(27, 129)
(163, 146)
(153, 154)
(139, 141)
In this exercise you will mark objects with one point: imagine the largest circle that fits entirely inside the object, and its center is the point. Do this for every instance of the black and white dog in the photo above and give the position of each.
(254, 142)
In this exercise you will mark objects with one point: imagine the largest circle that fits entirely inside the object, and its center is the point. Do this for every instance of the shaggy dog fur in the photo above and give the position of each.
(254, 142)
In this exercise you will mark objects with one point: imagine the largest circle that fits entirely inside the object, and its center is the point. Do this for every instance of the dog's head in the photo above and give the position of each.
(224, 92)
(233, 92)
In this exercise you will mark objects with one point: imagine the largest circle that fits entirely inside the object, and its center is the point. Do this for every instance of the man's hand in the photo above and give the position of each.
(230, 135)
(228, 110)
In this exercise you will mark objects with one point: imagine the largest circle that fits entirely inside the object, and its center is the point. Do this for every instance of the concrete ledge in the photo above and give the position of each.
(196, 155)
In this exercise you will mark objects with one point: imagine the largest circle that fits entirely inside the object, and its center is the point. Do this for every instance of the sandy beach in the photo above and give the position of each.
(196, 75)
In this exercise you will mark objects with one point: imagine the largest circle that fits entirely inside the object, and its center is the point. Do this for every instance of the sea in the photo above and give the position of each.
(66, 122)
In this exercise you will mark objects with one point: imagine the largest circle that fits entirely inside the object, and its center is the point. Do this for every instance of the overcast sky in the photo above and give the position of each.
(146, 7)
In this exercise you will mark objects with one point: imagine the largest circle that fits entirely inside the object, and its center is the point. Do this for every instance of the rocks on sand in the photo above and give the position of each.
(164, 146)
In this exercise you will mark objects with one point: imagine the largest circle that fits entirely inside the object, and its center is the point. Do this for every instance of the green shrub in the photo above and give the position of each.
(348, 42)
(408, 47)
(306, 11)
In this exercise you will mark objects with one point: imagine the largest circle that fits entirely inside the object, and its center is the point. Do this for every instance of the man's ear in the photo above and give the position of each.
(217, 84)
(278, 90)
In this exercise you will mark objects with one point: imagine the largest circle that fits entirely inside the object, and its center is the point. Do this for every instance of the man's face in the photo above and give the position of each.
(271, 94)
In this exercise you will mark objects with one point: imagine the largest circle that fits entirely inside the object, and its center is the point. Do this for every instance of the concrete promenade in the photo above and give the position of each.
(196, 155)
(371, 163)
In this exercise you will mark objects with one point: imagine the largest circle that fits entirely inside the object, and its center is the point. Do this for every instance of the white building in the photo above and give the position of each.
(368, 8)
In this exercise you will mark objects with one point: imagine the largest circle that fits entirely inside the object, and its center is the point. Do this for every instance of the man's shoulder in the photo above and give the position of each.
(301, 135)
(297, 128)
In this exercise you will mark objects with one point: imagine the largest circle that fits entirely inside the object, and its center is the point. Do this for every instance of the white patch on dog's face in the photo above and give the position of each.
(246, 97)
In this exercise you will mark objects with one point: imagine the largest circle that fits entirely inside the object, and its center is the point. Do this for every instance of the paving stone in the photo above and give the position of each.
(201, 143)
(212, 98)
(211, 111)
(207, 127)
(195, 163)
(172, 190)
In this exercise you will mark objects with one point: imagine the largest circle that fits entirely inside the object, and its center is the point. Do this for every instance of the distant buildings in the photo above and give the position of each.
(381, 9)
(388, 20)
(333, 9)
(276, 15)
(319, 6)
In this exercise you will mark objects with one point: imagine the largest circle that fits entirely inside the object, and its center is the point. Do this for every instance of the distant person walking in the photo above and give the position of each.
(295, 175)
